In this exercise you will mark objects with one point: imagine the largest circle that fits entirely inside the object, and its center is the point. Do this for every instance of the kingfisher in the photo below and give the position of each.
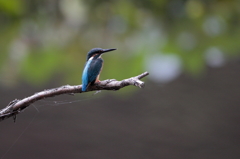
(93, 67)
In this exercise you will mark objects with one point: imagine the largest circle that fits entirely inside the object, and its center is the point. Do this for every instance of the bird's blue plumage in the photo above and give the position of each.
(93, 66)
(91, 71)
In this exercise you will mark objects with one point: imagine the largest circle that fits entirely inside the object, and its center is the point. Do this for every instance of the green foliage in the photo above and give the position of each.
(118, 68)
(7, 37)
(12, 7)
(41, 65)
(57, 38)
(193, 63)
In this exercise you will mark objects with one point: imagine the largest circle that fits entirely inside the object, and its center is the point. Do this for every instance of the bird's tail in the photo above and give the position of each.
(84, 87)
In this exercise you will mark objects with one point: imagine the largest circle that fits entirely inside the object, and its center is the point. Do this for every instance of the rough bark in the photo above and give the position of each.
(17, 105)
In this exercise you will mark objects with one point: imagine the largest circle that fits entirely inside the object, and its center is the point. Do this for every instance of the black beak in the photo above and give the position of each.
(107, 50)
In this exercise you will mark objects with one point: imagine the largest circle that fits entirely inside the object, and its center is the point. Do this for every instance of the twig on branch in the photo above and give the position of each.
(17, 105)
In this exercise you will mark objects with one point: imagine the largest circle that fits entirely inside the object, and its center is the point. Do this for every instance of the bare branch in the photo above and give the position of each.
(16, 106)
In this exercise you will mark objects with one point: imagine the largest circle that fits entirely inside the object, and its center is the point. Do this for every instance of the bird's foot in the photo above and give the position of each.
(97, 81)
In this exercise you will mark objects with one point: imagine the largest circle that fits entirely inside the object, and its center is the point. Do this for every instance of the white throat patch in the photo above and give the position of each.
(93, 57)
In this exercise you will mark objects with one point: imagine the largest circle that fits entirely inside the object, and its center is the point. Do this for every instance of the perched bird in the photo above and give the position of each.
(93, 67)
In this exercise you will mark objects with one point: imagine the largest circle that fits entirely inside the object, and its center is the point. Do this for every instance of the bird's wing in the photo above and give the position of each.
(94, 69)
(85, 77)
(91, 71)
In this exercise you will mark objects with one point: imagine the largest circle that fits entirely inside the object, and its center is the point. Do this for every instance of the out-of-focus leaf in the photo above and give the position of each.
(12, 7)
(7, 36)
(193, 63)
(40, 66)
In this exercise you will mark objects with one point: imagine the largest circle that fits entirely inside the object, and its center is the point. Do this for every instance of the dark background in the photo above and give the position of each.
(189, 107)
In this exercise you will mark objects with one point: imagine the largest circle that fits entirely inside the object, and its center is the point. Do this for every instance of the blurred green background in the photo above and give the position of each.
(188, 109)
